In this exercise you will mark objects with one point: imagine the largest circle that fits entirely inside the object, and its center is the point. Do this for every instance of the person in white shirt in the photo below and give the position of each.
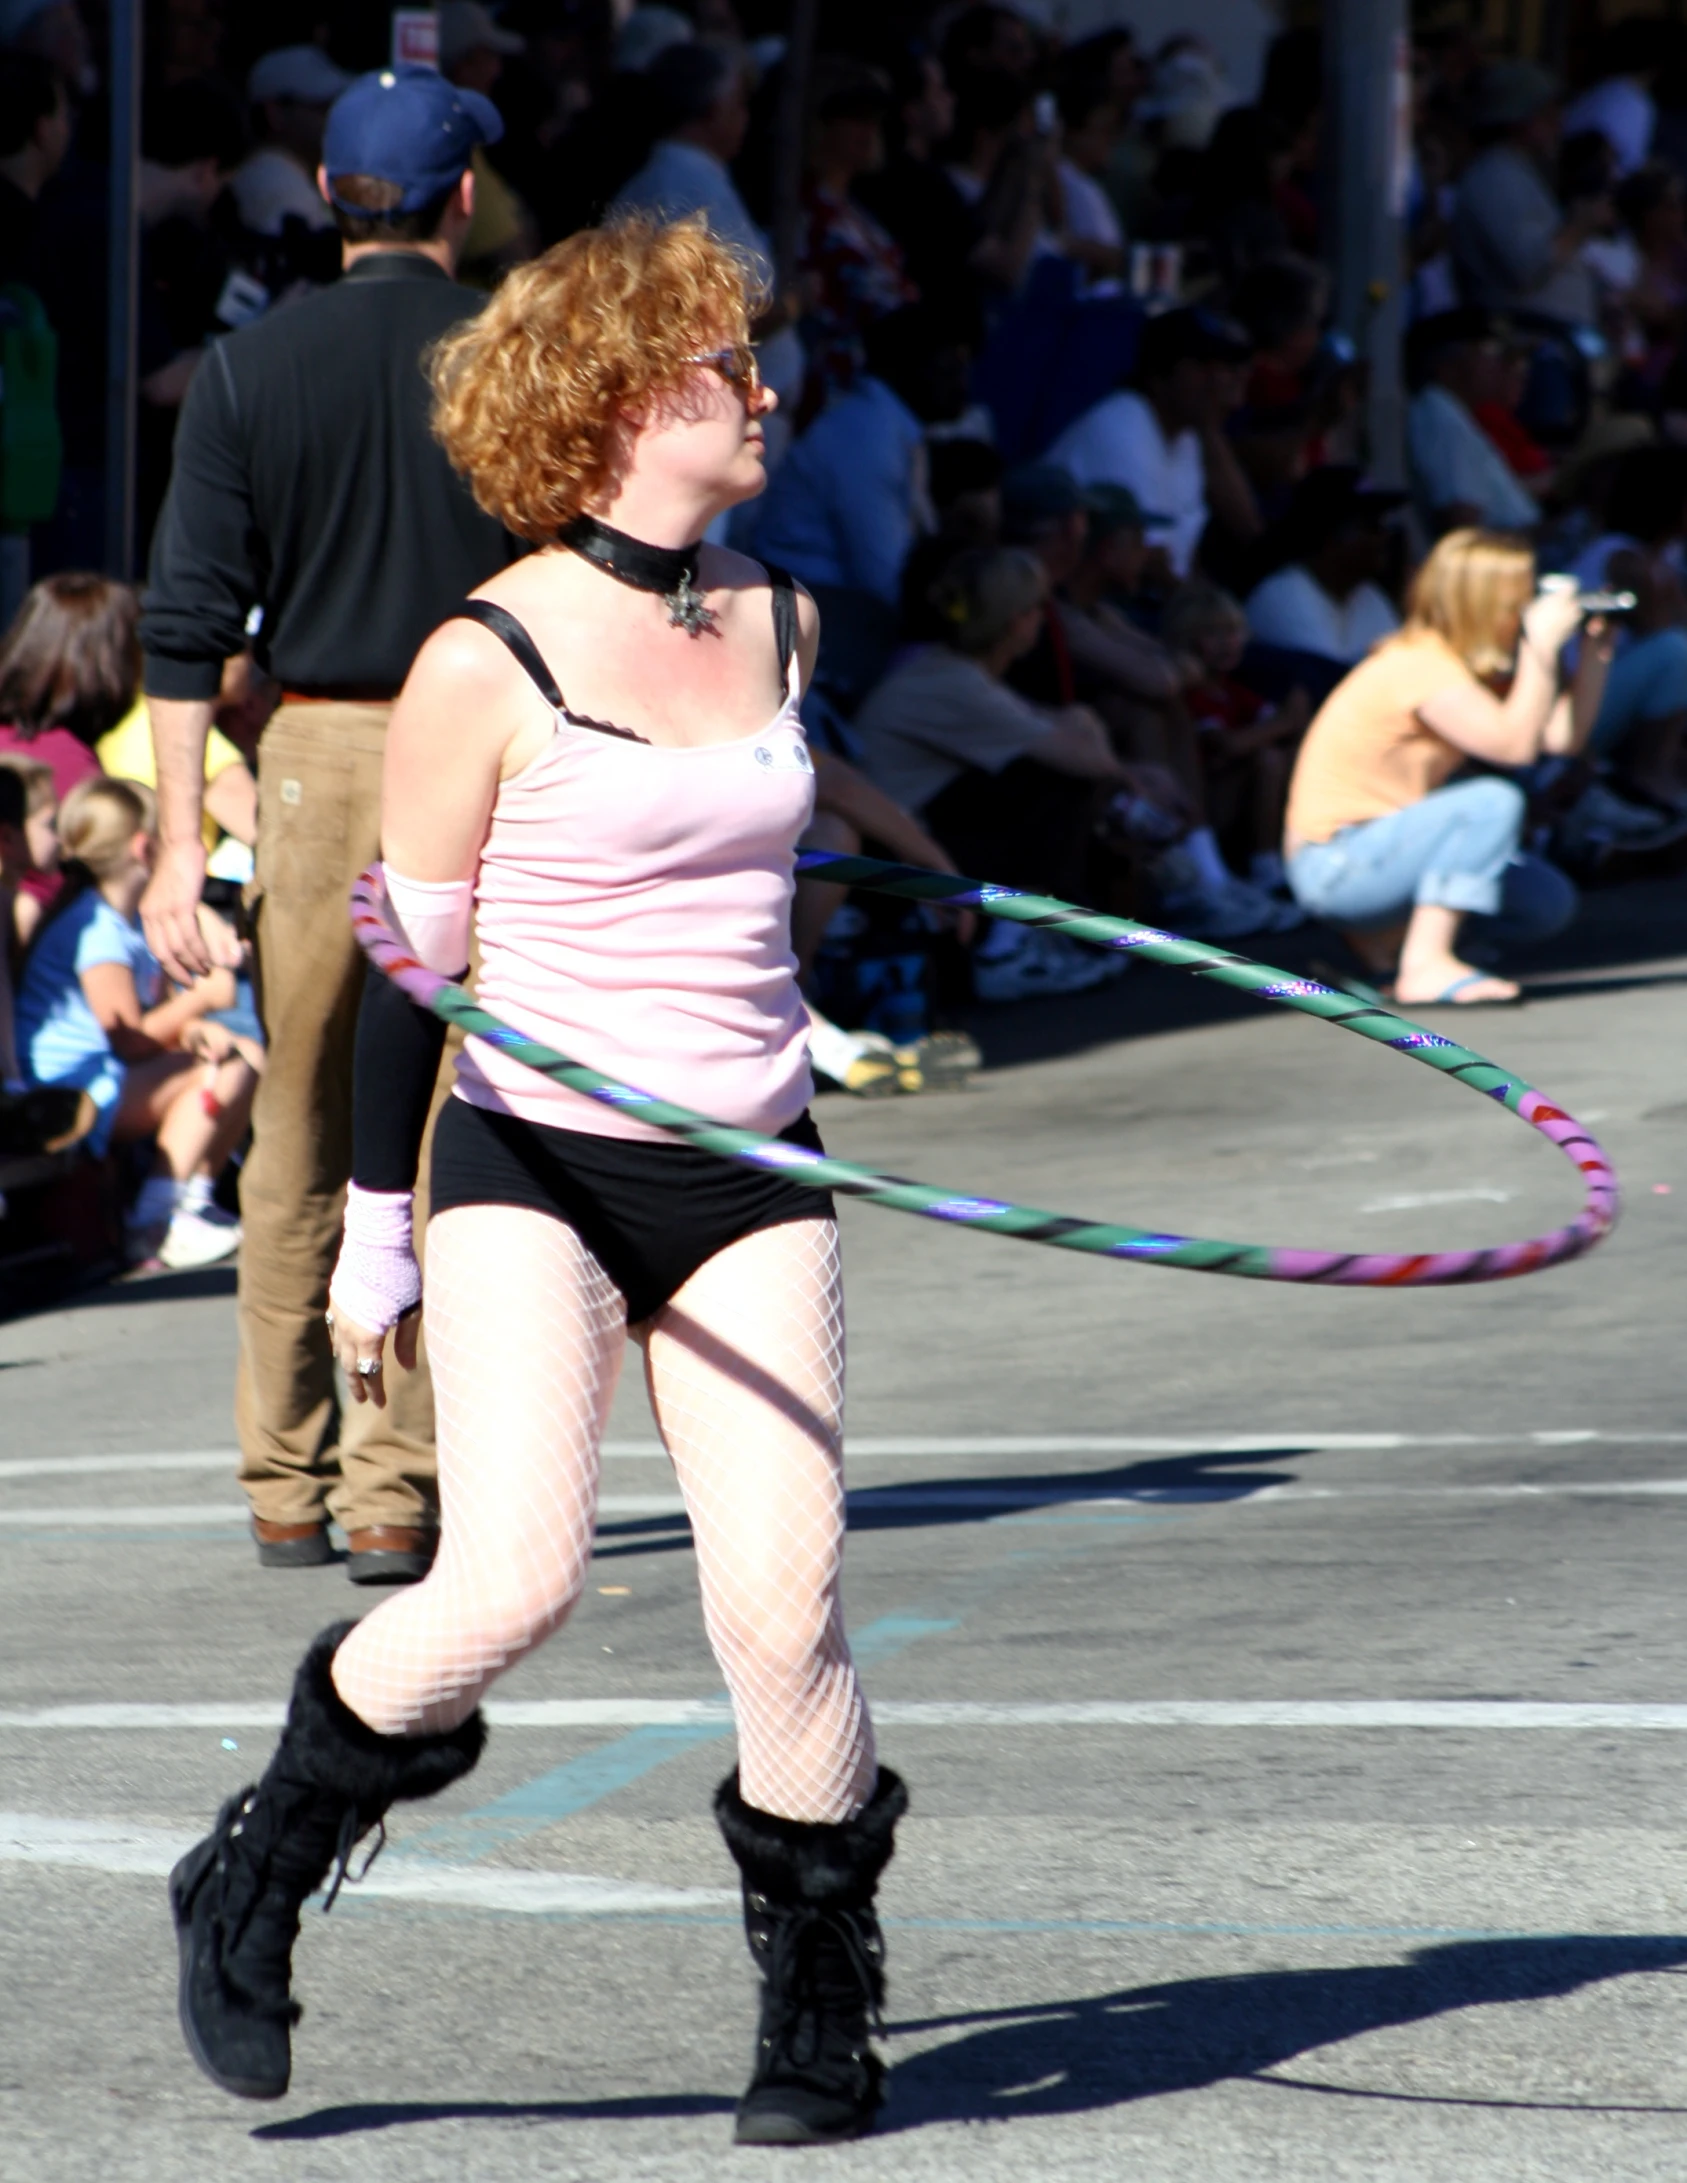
(1166, 441)
(290, 91)
(1461, 479)
(1090, 232)
(1620, 104)
(1515, 246)
(1325, 598)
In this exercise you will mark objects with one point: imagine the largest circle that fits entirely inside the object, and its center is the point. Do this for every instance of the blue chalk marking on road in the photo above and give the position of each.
(578, 1784)
(891, 1634)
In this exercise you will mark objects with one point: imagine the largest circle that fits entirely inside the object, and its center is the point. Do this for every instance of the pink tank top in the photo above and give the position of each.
(633, 909)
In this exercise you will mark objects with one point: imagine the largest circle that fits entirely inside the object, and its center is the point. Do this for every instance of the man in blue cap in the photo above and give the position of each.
(310, 504)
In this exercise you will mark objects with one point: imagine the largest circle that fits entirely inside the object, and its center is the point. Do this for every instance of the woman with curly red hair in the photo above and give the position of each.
(626, 854)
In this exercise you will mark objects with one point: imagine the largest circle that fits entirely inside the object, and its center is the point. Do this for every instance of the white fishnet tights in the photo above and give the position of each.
(745, 1369)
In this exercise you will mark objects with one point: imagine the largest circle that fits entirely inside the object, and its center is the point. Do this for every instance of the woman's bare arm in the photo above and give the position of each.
(465, 717)
(1512, 731)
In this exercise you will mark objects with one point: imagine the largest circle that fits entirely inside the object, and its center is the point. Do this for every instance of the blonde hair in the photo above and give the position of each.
(983, 592)
(1472, 581)
(1195, 608)
(99, 819)
(530, 392)
(97, 822)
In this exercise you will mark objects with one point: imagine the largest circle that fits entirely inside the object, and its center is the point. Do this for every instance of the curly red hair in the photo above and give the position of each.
(529, 393)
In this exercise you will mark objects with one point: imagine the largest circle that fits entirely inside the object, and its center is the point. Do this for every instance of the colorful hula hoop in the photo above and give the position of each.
(386, 949)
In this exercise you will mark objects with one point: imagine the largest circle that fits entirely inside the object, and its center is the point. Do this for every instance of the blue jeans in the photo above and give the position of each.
(1456, 849)
(1647, 681)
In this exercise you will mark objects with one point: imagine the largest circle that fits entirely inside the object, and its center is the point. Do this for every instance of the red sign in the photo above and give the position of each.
(415, 37)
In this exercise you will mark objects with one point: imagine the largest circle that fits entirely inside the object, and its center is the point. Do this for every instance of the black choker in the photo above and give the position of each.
(670, 571)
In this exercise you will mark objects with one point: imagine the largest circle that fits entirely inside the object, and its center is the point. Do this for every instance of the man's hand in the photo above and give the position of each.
(170, 911)
(227, 949)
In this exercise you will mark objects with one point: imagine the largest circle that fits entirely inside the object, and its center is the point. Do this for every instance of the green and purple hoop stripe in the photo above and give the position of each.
(387, 950)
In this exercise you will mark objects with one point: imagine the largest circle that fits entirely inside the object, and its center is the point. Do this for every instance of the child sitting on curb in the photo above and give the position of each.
(38, 879)
(90, 1014)
(1248, 748)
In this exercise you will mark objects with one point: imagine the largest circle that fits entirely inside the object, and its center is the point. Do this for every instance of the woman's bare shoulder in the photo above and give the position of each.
(730, 570)
(462, 663)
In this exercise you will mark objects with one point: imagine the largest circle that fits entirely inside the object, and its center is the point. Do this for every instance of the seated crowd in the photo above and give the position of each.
(95, 1052)
(1068, 451)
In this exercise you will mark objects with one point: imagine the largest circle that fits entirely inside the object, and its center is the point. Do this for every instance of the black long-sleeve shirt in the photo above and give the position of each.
(307, 483)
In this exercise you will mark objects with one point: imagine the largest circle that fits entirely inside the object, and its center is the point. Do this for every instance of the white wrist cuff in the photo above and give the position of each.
(436, 916)
(376, 1279)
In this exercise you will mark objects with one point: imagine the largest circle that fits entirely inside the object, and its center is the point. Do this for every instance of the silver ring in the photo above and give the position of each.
(328, 1321)
(367, 1367)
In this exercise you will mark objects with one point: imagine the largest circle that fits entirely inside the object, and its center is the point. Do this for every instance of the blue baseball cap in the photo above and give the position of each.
(408, 125)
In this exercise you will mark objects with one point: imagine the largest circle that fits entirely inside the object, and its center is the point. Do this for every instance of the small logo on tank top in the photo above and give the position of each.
(791, 757)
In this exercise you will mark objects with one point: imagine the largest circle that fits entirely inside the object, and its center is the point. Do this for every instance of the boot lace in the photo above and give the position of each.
(268, 1859)
(800, 1997)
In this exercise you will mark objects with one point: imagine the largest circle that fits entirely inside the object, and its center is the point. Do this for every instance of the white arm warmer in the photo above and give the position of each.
(436, 916)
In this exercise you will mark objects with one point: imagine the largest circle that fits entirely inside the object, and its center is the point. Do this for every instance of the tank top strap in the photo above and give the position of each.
(509, 632)
(785, 630)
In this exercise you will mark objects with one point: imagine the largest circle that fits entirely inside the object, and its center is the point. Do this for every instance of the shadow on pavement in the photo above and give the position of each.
(913, 1504)
(151, 1288)
(1077, 2056)
(1617, 929)
(342, 2122)
(1166, 1480)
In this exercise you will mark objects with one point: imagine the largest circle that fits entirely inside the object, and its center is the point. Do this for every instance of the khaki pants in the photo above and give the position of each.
(319, 803)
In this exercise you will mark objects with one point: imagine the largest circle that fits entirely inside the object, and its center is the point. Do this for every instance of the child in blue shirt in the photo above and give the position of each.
(92, 1013)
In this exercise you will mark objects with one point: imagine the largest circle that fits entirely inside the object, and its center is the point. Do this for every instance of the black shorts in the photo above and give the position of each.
(650, 1214)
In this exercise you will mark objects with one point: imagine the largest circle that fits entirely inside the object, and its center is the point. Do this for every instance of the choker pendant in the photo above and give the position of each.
(687, 608)
(668, 571)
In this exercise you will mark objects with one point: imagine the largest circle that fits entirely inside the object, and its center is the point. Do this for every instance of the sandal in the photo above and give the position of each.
(941, 1061)
(1450, 997)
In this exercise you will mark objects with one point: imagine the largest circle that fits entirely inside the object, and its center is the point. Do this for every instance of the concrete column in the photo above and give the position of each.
(1367, 135)
(122, 288)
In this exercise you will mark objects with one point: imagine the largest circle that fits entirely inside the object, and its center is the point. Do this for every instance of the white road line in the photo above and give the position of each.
(607, 1713)
(870, 1447)
(109, 1516)
(888, 1500)
(1408, 1201)
(92, 1845)
(94, 1466)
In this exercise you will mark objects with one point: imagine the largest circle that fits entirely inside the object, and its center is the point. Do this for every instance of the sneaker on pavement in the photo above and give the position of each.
(198, 1236)
(1602, 811)
(1229, 913)
(1043, 962)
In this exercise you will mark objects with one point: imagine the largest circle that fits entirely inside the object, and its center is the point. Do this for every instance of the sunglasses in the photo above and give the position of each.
(736, 365)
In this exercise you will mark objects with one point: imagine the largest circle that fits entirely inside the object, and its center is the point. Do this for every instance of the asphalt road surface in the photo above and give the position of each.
(1289, 1684)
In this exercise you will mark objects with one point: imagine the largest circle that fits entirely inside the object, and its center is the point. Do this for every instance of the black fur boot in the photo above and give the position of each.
(808, 1914)
(236, 1898)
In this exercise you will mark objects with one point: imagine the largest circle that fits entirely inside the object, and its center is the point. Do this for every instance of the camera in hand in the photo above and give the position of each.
(1590, 602)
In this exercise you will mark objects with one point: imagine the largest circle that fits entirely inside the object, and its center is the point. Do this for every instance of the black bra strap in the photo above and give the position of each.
(509, 631)
(504, 626)
(784, 615)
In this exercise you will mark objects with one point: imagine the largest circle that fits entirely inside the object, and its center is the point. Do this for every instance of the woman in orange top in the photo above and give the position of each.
(1379, 837)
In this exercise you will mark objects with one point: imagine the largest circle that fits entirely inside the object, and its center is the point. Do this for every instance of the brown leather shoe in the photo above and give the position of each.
(390, 1554)
(292, 1546)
